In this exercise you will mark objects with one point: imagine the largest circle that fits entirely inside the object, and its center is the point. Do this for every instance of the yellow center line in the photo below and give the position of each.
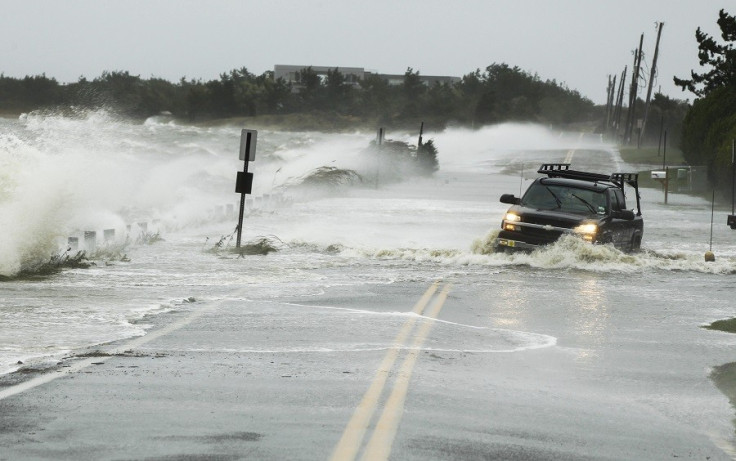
(571, 152)
(379, 446)
(352, 436)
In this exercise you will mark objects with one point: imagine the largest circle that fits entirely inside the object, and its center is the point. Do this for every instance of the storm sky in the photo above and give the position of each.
(575, 42)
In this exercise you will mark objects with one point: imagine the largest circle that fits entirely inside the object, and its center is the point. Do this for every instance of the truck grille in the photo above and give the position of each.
(538, 235)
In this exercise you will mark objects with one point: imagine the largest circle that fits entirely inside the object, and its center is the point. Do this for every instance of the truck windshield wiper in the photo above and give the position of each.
(590, 207)
(557, 199)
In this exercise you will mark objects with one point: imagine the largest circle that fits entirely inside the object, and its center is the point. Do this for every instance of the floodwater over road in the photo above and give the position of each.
(574, 351)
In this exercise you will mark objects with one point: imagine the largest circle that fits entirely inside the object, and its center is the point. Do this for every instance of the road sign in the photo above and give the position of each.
(244, 183)
(248, 144)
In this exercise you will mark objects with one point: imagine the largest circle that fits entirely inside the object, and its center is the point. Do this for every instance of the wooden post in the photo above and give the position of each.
(379, 143)
(664, 167)
(651, 82)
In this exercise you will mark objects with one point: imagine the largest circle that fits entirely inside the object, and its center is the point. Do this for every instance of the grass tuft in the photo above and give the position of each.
(727, 325)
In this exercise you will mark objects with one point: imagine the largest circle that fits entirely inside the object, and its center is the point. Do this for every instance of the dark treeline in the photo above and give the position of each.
(709, 128)
(499, 93)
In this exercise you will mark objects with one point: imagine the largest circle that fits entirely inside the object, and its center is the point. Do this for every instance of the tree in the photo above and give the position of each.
(710, 124)
(413, 86)
(310, 86)
(275, 94)
(504, 93)
(427, 158)
(376, 100)
(338, 92)
(720, 57)
(413, 91)
(708, 127)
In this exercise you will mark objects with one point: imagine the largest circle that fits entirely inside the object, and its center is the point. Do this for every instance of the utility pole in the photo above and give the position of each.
(651, 82)
(619, 102)
(634, 90)
(632, 93)
(609, 100)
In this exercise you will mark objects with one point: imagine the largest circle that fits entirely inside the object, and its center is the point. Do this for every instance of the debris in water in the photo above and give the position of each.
(149, 238)
(55, 263)
(260, 246)
(224, 242)
(727, 325)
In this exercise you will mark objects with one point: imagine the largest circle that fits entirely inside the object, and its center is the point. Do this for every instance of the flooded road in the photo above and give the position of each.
(571, 352)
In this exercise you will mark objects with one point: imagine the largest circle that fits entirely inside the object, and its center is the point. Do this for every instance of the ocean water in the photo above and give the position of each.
(62, 176)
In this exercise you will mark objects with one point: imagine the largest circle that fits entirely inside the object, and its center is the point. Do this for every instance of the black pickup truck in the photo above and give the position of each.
(566, 201)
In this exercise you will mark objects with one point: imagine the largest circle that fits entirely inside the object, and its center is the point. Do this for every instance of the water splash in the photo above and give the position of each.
(61, 174)
(568, 253)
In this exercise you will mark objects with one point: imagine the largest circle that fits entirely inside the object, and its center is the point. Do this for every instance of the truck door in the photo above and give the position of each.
(622, 230)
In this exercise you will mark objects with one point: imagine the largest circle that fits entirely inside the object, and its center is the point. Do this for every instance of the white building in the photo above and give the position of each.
(353, 75)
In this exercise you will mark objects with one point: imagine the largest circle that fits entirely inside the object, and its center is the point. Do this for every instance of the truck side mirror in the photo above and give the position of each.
(510, 199)
(628, 215)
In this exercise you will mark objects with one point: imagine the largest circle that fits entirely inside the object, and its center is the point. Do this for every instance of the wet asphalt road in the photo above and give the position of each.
(490, 379)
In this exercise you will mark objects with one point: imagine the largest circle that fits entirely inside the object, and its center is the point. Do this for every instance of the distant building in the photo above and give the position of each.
(353, 75)
(429, 80)
(290, 74)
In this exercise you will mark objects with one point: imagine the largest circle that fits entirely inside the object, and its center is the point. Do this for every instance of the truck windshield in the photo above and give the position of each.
(565, 198)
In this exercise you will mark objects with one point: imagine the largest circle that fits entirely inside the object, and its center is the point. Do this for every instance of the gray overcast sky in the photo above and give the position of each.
(577, 42)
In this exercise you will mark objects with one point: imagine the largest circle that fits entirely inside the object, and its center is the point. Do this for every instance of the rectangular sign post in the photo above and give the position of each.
(244, 180)
(731, 220)
(379, 143)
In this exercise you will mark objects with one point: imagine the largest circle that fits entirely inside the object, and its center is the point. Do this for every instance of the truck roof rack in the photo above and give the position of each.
(632, 179)
(562, 170)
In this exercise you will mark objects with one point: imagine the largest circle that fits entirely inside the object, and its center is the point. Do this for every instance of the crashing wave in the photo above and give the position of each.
(326, 176)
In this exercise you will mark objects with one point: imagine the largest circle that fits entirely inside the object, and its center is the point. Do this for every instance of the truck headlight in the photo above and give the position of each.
(512, 217)
(508, 221)
(587, 230)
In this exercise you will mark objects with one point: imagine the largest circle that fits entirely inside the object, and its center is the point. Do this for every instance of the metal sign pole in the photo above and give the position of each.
(731, 219)
(242, 208)
(244, 181)
(733, 175)
(379, 143)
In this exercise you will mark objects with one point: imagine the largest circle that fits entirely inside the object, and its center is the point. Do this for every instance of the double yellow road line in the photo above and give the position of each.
(571, 152)
(379, 446)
